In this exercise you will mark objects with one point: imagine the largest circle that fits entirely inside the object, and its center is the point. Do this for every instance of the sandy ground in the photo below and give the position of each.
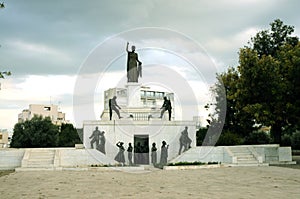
(230, 182)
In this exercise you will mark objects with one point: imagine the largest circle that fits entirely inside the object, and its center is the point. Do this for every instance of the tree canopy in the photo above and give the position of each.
(68, 136)
(37, 132)
(264, 89)
(41, 132)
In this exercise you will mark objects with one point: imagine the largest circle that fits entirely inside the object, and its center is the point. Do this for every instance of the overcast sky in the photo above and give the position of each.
(46, 44)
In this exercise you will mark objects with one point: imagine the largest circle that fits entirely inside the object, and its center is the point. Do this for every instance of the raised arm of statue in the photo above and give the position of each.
(127, 47)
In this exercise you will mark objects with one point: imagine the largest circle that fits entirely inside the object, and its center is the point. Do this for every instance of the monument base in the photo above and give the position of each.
(133, 94)
(141, 134)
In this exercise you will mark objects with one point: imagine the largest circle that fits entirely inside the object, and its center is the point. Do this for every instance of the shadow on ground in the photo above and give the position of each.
(6, 172)
(293, 166)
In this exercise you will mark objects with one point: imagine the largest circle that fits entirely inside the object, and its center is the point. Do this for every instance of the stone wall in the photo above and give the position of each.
(10, 158)
(124, 130)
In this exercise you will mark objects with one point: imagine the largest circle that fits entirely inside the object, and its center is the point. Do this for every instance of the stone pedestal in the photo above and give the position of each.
(133, 94)
(131, 131)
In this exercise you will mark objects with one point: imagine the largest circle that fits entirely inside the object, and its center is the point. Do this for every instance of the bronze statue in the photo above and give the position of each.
(113, 106)
(164, 153)
(166, 107)
(134, 71)
(95, 138)
(184, 141)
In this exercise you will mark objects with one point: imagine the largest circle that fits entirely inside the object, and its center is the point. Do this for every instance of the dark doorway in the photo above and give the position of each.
(141, 149)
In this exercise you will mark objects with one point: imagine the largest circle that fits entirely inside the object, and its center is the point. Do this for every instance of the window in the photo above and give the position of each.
(47, 108)
(159, 94)
(150, 94)
(143, 93)
(1, 137)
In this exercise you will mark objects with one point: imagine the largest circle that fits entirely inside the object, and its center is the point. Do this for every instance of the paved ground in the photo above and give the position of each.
(233, 182)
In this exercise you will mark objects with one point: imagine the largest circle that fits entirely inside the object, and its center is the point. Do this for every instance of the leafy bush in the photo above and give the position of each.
(295, 140)
(68, 136)
(228, 138)
(37, 132)
(41, 132)
(286, 140)
(200, 135)
(191, 163)
(258, 137)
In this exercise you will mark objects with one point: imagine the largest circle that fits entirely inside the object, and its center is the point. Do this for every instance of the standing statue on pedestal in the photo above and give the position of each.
(129, 150)
(120, 155)
(153, 154)
(164, 153)
(134, 71)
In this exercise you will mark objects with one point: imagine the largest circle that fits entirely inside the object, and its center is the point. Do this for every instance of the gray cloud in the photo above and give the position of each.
(74, 28)
(56, 37)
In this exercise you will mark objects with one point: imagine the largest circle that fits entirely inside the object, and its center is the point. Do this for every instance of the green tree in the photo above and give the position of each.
(4, 73)
(267, 86)
(37, 132)
(68, 136)
(268, 42)
(264, 89)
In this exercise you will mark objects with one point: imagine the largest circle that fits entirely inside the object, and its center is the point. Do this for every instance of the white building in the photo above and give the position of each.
(57, 117)
(4, 141)
(137, 101)
(140, 124)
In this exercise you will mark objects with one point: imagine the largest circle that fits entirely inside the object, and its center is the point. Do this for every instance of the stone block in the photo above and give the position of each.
(285, 154)
(79, 146)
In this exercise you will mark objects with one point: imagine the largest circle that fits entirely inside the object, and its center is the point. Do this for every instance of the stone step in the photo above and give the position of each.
(246, 159)
(39, 159)
(42, 154)
(242, 154)
(38, 169)
(39, 166)
(249, 165)
(245, 156)
(39, 162)
(247, 162)
(238, 148)
(240, 151)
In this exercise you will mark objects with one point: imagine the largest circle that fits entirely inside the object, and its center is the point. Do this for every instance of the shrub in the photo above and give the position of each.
(286, 140)
(228, 138)
(200, 135)
(258, 137)
(295, 140)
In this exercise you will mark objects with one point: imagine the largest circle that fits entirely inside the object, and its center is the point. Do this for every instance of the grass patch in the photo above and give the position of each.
(6, 172)
(191, 163)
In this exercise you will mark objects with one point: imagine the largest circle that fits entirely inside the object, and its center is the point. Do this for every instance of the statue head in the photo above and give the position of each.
(133, 48)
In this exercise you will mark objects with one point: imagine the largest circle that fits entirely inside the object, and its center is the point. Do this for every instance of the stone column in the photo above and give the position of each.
(133, 94)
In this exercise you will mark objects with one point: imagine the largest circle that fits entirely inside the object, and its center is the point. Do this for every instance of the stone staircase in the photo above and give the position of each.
(244, 156)
(38, 159)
